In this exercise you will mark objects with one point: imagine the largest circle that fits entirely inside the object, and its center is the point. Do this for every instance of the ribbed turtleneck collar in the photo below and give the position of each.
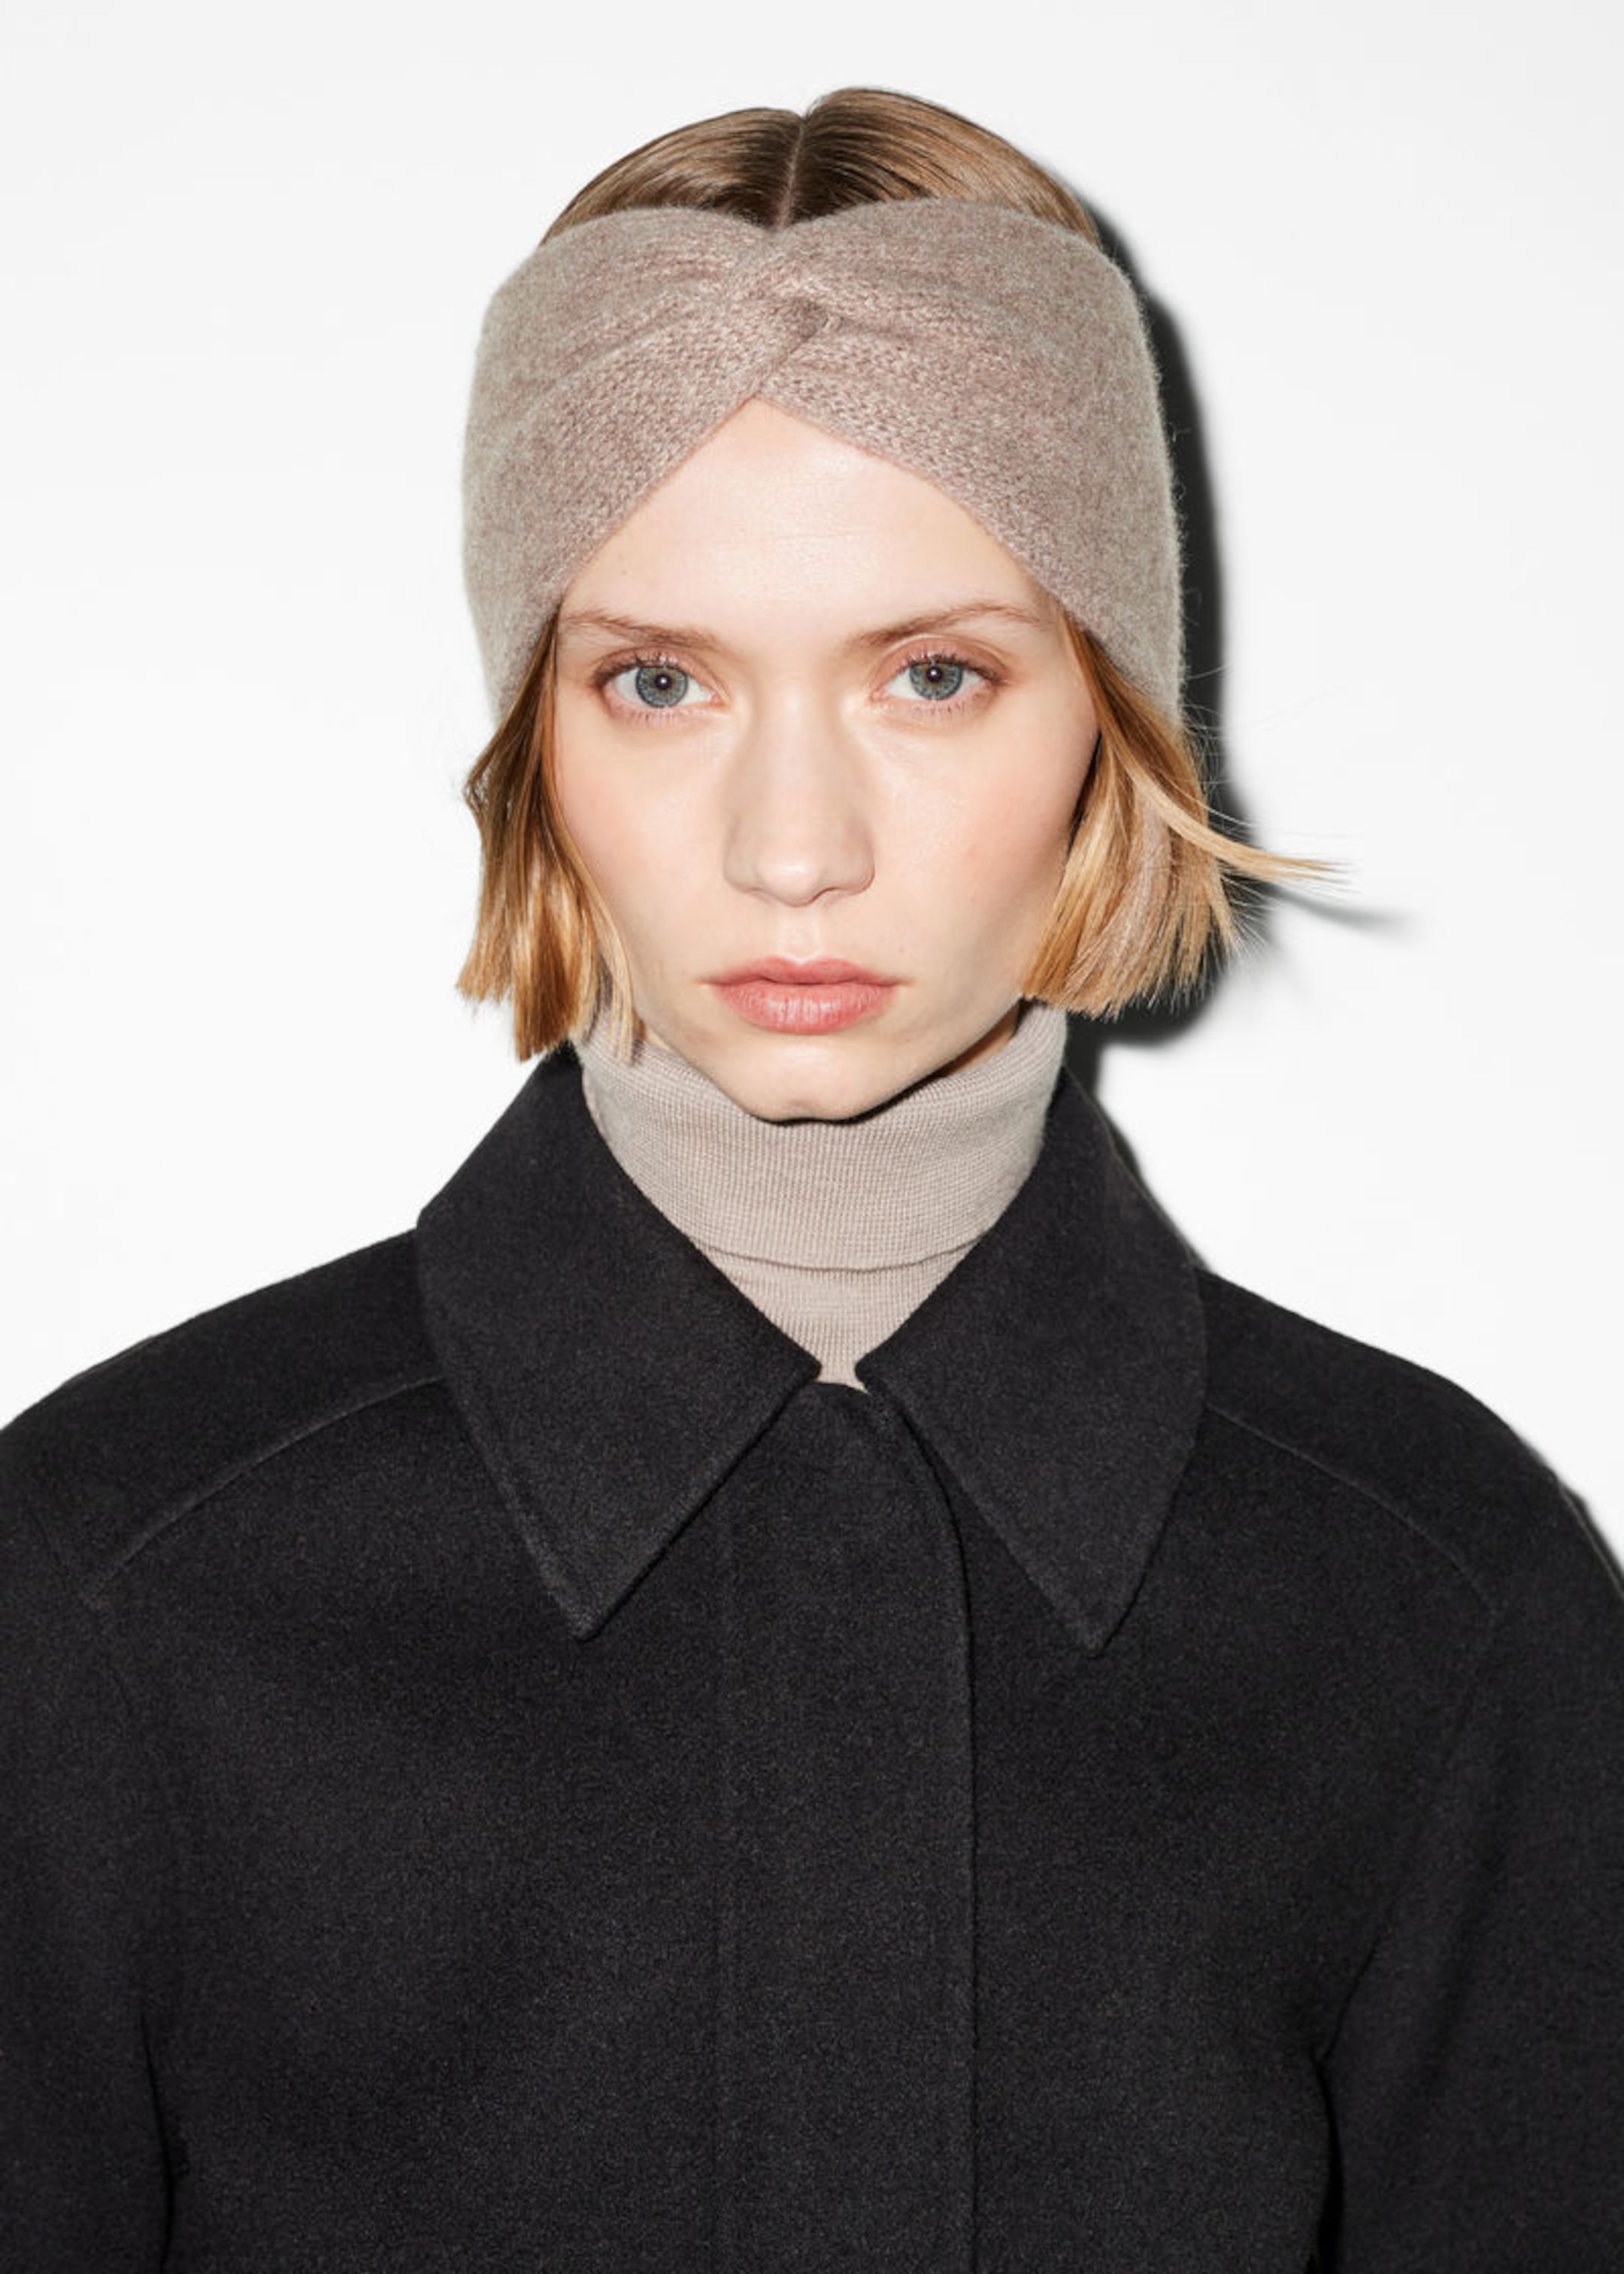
(836, 1230)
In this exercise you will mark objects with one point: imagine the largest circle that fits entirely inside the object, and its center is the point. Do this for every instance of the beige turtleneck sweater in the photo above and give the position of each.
(836, 1230)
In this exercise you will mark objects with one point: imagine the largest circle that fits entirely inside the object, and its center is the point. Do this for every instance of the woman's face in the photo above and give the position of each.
(819, 740)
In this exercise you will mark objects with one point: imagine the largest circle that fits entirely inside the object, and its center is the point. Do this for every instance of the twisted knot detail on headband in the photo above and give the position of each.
(1002, 358)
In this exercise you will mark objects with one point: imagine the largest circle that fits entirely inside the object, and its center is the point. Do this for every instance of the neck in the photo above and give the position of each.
(836, 1230)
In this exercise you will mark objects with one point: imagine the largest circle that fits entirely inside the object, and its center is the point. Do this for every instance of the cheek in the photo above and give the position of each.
(613, 833)
(624, 839)
(1012, 844)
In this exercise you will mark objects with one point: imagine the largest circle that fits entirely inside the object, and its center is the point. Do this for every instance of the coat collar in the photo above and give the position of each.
(610, 1376)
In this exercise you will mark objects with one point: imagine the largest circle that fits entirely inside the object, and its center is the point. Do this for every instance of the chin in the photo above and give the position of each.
(832, 1078)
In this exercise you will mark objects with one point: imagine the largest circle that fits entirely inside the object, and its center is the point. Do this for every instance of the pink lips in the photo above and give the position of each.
(803, 998)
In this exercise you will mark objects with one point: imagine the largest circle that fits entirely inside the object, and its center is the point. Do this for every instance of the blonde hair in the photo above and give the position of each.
(1145, 903)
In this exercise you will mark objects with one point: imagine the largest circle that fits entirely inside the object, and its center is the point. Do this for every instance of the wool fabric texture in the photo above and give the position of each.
(1003, 358)
(502, 1769)
(836, 1229)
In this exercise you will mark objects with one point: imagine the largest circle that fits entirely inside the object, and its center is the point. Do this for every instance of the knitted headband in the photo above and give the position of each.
(1002, 358)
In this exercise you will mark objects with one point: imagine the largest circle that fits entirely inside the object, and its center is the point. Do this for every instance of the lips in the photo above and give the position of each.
(814, 998)
(820, 971)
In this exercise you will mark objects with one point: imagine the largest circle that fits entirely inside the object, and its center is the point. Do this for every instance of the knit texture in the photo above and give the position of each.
(1003, 358)
(836, 1229)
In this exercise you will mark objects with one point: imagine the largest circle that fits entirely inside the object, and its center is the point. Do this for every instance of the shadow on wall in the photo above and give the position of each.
(1205, 683)
(1203, 613)
(1087, 1039)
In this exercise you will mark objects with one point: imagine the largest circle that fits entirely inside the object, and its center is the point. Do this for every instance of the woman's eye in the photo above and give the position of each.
(936, 678)
(654, 686)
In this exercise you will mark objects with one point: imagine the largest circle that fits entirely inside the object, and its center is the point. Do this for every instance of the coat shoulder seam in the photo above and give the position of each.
(1367, 1490)
(92, 1590)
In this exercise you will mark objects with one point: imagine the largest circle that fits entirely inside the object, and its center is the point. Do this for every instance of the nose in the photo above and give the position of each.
(799, 829)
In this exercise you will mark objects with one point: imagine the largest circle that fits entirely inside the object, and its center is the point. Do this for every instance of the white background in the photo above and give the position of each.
(245, 259)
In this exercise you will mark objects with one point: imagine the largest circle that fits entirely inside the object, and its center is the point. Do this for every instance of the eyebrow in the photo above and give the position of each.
(694, 635)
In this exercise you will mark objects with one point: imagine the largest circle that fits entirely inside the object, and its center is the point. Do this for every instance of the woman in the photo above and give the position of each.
(786, 1682)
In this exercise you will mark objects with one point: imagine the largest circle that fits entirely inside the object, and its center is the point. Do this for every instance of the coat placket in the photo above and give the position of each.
(845, 1999)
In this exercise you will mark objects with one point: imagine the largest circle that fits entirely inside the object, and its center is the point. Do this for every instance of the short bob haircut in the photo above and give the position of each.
(1145, 901)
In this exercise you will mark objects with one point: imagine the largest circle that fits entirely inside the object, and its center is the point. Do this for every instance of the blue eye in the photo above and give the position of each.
(659, 686)
(941, 680)
(938, 678)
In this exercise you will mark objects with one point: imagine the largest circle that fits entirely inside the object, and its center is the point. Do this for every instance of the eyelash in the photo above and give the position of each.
(646, 713)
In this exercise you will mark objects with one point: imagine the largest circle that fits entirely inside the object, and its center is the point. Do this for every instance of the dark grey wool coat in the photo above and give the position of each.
(505, 1770)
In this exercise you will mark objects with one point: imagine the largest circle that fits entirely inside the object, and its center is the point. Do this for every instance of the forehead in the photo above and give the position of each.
(770, 515)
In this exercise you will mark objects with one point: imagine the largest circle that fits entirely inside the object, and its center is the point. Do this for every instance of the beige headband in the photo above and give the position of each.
(1000, 356)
